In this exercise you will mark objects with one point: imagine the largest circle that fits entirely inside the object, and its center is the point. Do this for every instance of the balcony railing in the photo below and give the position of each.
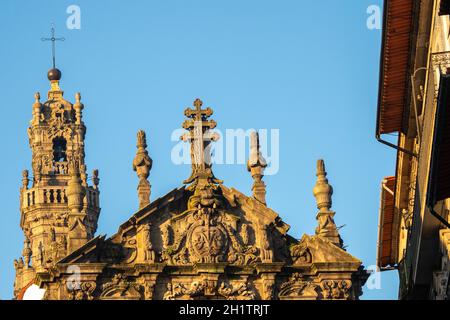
(56, 195)
(61, 167)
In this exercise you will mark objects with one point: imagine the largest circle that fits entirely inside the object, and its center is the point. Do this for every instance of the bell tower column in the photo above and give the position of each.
(59, 209)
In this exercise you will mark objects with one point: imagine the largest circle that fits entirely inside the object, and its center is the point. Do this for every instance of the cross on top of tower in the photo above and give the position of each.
(53, 39)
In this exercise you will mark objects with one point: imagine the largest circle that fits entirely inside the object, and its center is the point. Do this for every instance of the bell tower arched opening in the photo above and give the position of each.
(59, 149)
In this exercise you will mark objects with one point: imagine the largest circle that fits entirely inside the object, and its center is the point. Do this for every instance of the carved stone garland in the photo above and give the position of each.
(238, 291)
(209, 236)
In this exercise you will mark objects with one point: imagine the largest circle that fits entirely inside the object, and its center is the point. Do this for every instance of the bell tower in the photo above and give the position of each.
(59, 209)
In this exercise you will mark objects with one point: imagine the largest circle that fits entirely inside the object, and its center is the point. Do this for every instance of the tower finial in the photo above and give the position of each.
(200, 137)
(37, 106)
(78, 106)
(256, 164)
(142, 164)
(322, 192)
(25, 180)
(54, 74)
(77, 97)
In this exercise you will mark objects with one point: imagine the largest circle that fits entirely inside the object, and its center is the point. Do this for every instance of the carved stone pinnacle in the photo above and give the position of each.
(256, 164)
(142, 164)
(322, 192)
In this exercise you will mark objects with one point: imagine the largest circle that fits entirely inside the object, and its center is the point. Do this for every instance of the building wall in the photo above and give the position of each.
(422, 241)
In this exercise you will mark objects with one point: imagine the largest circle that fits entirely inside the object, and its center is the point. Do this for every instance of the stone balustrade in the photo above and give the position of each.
(61, 167)
(55, 195)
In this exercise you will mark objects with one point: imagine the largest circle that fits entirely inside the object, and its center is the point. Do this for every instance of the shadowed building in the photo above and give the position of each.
(202, 240)
(414, 103)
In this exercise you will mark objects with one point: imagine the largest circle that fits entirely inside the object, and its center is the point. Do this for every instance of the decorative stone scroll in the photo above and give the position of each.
(336, 289)
(120, 288)
(80, 291)
(298, 288)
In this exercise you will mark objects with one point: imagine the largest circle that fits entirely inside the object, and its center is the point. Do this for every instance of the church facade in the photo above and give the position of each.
(203, 240)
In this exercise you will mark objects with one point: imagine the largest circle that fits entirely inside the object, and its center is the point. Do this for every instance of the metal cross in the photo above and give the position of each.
(53, 39)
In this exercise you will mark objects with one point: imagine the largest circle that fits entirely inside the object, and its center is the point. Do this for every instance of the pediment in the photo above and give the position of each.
(315, 249)
(220, 225)
(86, 253)
(184, 227)
(208, 224)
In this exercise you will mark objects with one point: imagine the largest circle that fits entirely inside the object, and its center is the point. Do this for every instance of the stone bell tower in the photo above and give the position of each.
(59, 209)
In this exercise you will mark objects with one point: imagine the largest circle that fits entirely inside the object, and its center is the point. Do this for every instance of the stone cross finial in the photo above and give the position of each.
(322, 192)
(142, 164)
(200, 137)
(255, 165)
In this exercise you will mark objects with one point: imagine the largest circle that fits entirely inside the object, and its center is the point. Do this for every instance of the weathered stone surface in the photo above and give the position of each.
(201, 241)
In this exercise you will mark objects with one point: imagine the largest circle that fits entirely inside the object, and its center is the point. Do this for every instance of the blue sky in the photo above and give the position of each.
(307, 68)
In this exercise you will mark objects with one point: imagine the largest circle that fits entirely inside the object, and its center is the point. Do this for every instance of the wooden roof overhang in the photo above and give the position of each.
(386, 256)
(394, 65)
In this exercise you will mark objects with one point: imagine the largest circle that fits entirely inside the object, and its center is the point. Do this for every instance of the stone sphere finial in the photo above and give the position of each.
(54, 74)
(37, 103)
